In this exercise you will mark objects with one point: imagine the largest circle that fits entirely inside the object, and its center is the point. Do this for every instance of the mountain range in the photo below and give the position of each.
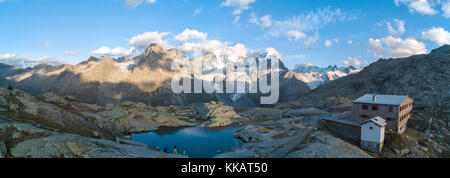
(316, 76)
(145, 78)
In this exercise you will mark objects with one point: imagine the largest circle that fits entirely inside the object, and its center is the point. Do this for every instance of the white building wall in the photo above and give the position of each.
(375, 135)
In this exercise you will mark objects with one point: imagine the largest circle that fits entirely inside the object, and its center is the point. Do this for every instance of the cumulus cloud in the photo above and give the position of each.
(142, 41)
(424, 7)
(394, 47)
(376, 47)
(69, 53)
(15, 60)
(272, 52)
(354, 61)
(437, 35)
(136, 43)
(238, 5)
(295, 35)
(217, 47)
(264, 21)
(190, 34)
(135, 3)
(119, 51)
(328, 43)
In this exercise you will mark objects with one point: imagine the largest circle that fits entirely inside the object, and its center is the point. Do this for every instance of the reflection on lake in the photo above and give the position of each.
(199, 142)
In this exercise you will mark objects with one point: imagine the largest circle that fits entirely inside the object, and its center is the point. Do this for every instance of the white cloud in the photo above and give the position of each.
(328, 43)
(394, 47)
(266, 21)
(15, 60)
(136, 43)
(311, 41)
(238, 5)
(311, 21)
(272, 52)
(296, 56)
(119, 51)
(69, 53)
(295, 35)
(197, 11)
(135, 3)
(46, 44)
(190, 34)
(295, 28)
(423, 7)
(437, 35)
(376, 47)
(446, 9)
(217, 47)
(142, 41)
(353, 61)
(399, 31)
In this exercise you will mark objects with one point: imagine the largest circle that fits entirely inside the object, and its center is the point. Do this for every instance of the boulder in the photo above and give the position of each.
(304, 112)
(70, 146)
(324, 145)
(2, 149)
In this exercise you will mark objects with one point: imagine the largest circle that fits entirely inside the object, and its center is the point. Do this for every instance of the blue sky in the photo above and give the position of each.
(318, 32)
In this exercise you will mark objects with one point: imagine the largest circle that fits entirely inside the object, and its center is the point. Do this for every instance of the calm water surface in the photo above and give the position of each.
(199, 142)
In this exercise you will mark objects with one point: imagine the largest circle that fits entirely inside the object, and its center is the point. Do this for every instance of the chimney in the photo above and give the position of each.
(374, 98)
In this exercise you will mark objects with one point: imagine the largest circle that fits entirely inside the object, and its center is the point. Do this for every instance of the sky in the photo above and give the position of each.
(313, 32)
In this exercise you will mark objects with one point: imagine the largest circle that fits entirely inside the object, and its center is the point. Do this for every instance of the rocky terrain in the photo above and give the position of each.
(425, 78)
(53, 126)
(316, 76)
(30, 123)
(290, 134)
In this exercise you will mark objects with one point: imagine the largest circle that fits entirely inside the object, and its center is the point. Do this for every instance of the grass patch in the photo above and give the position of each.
(264, 130)
(280, 135)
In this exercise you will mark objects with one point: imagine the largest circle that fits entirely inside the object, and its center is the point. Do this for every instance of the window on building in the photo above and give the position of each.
(370, 128)
(365, 116)
(374, 108)
(391, 109)
(365, 107)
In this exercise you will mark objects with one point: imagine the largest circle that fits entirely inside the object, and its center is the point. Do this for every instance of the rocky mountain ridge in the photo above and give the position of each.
(315, 76)
(145, 78)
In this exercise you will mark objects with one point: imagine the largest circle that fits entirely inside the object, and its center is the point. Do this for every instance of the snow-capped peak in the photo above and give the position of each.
(315, 76)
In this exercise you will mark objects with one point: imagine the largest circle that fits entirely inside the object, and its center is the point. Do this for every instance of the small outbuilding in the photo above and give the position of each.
(372, 134)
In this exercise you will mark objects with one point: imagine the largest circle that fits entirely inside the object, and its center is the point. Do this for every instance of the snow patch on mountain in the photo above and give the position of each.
(316, 76)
